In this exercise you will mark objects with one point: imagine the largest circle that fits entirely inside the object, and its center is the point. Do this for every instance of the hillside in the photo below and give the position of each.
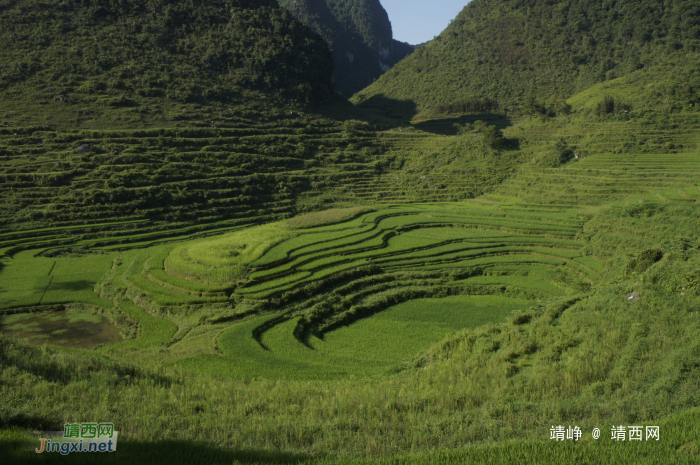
(84, 83)
(359, 34)
(112, 53)
(516, 52)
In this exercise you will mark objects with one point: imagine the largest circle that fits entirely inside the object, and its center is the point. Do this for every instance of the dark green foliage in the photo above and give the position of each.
(367, 18)
(561, 107)
(359, 34)
(181, 50)
(692, 281)
(610, 106)
(490, 136)
(563, 151)
(470, 106)
(643, 261)
(514, 51)
(533, 107)
(493, 138)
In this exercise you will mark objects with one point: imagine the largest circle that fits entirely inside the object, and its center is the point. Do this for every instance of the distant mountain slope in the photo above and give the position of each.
(359, 33)
(183, 50)
(515, 50)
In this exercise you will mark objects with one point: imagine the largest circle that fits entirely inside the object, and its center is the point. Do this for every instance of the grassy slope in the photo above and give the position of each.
(682, 449)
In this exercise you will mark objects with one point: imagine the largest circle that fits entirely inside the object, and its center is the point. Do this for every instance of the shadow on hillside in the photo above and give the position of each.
(388, 113)
(378, 109)
(446, 126)
(79, 285)
(30, 421)
(170, 452)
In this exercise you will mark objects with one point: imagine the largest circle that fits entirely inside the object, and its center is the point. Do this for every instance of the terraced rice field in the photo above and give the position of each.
(416, 238)
(27, 280)
(293, 298)
(133, 188)
(622, 160)
(360, 349)
(309, 294)
(315, 296)
(619, 161)
(601, 178)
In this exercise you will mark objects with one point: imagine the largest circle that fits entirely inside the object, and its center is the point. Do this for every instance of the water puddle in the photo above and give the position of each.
(75, 328)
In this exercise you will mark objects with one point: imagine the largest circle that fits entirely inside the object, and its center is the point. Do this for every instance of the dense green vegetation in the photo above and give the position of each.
(521, 293)
(517, 52)
(589, 355)
(681, 449)
(245, 278)
(359, 34)
(140, 186)
(570, 287)
(180, 51)
(86, 125)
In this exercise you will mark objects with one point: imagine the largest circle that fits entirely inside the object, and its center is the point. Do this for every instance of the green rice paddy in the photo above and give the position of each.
(316, 297)
(382, 266)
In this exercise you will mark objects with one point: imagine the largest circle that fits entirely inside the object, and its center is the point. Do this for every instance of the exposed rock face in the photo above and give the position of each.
(359, 33)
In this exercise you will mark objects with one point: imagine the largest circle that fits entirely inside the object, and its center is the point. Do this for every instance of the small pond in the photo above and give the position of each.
(76, 328)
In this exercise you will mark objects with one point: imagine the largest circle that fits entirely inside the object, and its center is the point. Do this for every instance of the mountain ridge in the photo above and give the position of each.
(359, 34)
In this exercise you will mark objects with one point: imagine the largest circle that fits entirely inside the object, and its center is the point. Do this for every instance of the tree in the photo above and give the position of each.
(493, 137)
(561, 107)
(563, 151)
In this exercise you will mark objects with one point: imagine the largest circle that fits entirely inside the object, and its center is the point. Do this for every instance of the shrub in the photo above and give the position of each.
(561, 107)
(610, 106)
(563, 151)
(493, 138)
(643, 261)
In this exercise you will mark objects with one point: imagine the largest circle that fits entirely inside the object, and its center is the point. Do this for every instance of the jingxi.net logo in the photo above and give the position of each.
(79, 437)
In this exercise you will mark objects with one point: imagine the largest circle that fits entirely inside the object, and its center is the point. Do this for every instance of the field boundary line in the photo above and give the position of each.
(174, 288)
(46, 288)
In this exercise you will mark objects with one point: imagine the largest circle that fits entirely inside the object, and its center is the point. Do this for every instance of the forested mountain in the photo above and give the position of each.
(183, 50)
(360, 36)
(514, 52)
